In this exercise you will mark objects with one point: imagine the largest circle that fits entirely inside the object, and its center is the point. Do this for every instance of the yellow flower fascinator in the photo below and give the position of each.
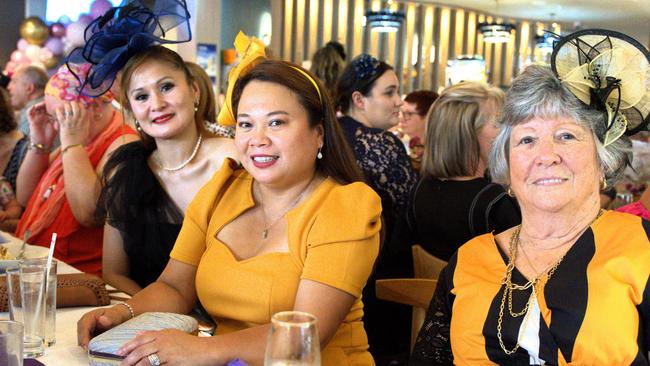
(610, 72)
(251, 52)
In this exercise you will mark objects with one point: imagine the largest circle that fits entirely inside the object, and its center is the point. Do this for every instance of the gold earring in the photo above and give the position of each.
(603, 184)
(509, 192)
(137, 126)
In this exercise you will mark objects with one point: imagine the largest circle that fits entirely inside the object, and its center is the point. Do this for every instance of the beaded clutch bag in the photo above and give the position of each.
(103, 348)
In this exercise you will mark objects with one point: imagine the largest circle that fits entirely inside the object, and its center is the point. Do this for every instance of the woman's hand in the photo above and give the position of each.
(74, 127)
(173, 348)
(42, 128)
(99, 320)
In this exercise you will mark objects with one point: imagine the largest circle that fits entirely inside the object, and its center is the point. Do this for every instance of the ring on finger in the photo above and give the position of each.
(153, 359)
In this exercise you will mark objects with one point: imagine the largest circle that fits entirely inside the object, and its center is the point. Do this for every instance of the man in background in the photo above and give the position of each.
(26, 89)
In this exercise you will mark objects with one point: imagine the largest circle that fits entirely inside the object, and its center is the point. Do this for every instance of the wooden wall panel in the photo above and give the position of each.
(287, 43)
(459, 32)
(471, 34)
(437, 33)
(299, 40)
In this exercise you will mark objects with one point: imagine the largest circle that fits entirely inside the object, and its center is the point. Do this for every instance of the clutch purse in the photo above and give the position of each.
(102, 350)
(78, 289)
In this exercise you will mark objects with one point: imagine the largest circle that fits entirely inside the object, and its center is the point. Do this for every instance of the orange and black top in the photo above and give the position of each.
(594, 310)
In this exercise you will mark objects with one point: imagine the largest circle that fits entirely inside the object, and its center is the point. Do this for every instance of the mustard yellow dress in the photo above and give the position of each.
(333, 239)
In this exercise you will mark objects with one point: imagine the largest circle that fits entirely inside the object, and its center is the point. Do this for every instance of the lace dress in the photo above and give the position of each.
(138, 206)
(385, 164)
(388, 170)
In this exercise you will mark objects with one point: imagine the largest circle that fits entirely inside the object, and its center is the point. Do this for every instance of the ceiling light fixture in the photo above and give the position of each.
(495, 32)
(384, 20)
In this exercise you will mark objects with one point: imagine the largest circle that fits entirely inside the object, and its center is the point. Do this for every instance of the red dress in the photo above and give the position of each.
(48, 210)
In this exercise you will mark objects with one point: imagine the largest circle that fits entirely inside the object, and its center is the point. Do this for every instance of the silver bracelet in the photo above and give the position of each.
(128, 307)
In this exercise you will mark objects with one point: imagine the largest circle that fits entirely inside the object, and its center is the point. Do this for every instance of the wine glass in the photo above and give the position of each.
(293, 340)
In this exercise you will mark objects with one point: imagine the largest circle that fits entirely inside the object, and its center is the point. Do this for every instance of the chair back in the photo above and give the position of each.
(426, 265)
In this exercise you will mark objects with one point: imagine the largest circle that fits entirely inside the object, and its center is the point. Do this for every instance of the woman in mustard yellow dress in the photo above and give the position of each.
(292, 228)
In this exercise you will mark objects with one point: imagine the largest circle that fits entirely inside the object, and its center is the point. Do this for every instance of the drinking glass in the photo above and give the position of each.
(11, 343)
(293, 340)
(50, 297)
(26, 290)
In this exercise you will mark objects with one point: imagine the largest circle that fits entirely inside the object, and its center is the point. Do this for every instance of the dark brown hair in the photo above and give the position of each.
(162, 55)
(207, 102)
(349, 82)
(338, 161)
(7, 121)
(423, 99)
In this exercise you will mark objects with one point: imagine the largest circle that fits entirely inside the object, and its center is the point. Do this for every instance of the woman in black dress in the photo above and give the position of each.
(454, 201)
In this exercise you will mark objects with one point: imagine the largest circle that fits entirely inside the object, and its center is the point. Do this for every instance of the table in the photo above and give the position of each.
(65, 352)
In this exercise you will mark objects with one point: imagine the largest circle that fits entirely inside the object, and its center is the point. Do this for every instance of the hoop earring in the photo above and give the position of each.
(319, 156)
(509, 192)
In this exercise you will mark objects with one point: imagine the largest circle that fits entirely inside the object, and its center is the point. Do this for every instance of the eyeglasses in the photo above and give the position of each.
(408, 115)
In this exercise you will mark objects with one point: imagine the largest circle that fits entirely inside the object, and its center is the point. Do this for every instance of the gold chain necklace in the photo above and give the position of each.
(509, 287)
(267, 226)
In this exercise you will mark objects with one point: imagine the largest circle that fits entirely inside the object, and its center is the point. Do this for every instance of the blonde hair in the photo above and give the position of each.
(451, 144)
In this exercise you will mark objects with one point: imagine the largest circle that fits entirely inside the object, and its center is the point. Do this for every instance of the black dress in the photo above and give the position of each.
(17, 156)
(385, 165)
(138, 206)
(387, 168)
(438, 217)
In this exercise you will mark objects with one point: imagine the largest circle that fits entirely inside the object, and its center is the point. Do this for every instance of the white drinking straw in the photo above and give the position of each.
(47, 273)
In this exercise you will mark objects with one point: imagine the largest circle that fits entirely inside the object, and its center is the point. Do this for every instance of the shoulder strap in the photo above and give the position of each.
(477, 227)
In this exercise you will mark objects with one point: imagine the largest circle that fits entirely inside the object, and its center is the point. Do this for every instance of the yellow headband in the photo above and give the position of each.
(251, 51)
(312, 81)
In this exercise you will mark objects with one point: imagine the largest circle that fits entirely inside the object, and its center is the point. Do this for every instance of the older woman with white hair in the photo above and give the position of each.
(570, 284)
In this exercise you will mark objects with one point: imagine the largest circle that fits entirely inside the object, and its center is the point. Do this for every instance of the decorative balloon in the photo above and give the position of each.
(51, 62)
(33, 52)
(85, 18)
(64, 19)
(34, 31)
(75, 33)
(55, 45)
(18, 57)
(22, 44)
(99, 7)
(57, 30)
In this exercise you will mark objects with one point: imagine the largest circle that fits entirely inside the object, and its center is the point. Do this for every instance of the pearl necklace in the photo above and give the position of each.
(187, 161)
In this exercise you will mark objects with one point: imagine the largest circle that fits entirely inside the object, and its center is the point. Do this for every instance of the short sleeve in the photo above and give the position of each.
(191, 241)
(343, 242)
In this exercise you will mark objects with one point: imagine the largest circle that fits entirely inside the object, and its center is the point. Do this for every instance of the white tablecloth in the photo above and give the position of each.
(65, 352)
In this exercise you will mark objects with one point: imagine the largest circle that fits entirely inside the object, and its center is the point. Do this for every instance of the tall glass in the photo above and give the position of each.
(50, 298)
(11, 343)
(26, 290)
(293, 340)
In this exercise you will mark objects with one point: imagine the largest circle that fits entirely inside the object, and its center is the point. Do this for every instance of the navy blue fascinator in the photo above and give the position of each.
(122, 32)
(365, 66)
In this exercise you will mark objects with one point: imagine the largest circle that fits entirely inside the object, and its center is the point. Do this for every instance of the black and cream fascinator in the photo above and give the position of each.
(609, 72)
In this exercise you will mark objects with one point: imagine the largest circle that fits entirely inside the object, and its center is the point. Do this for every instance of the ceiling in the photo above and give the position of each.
(628, 16)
